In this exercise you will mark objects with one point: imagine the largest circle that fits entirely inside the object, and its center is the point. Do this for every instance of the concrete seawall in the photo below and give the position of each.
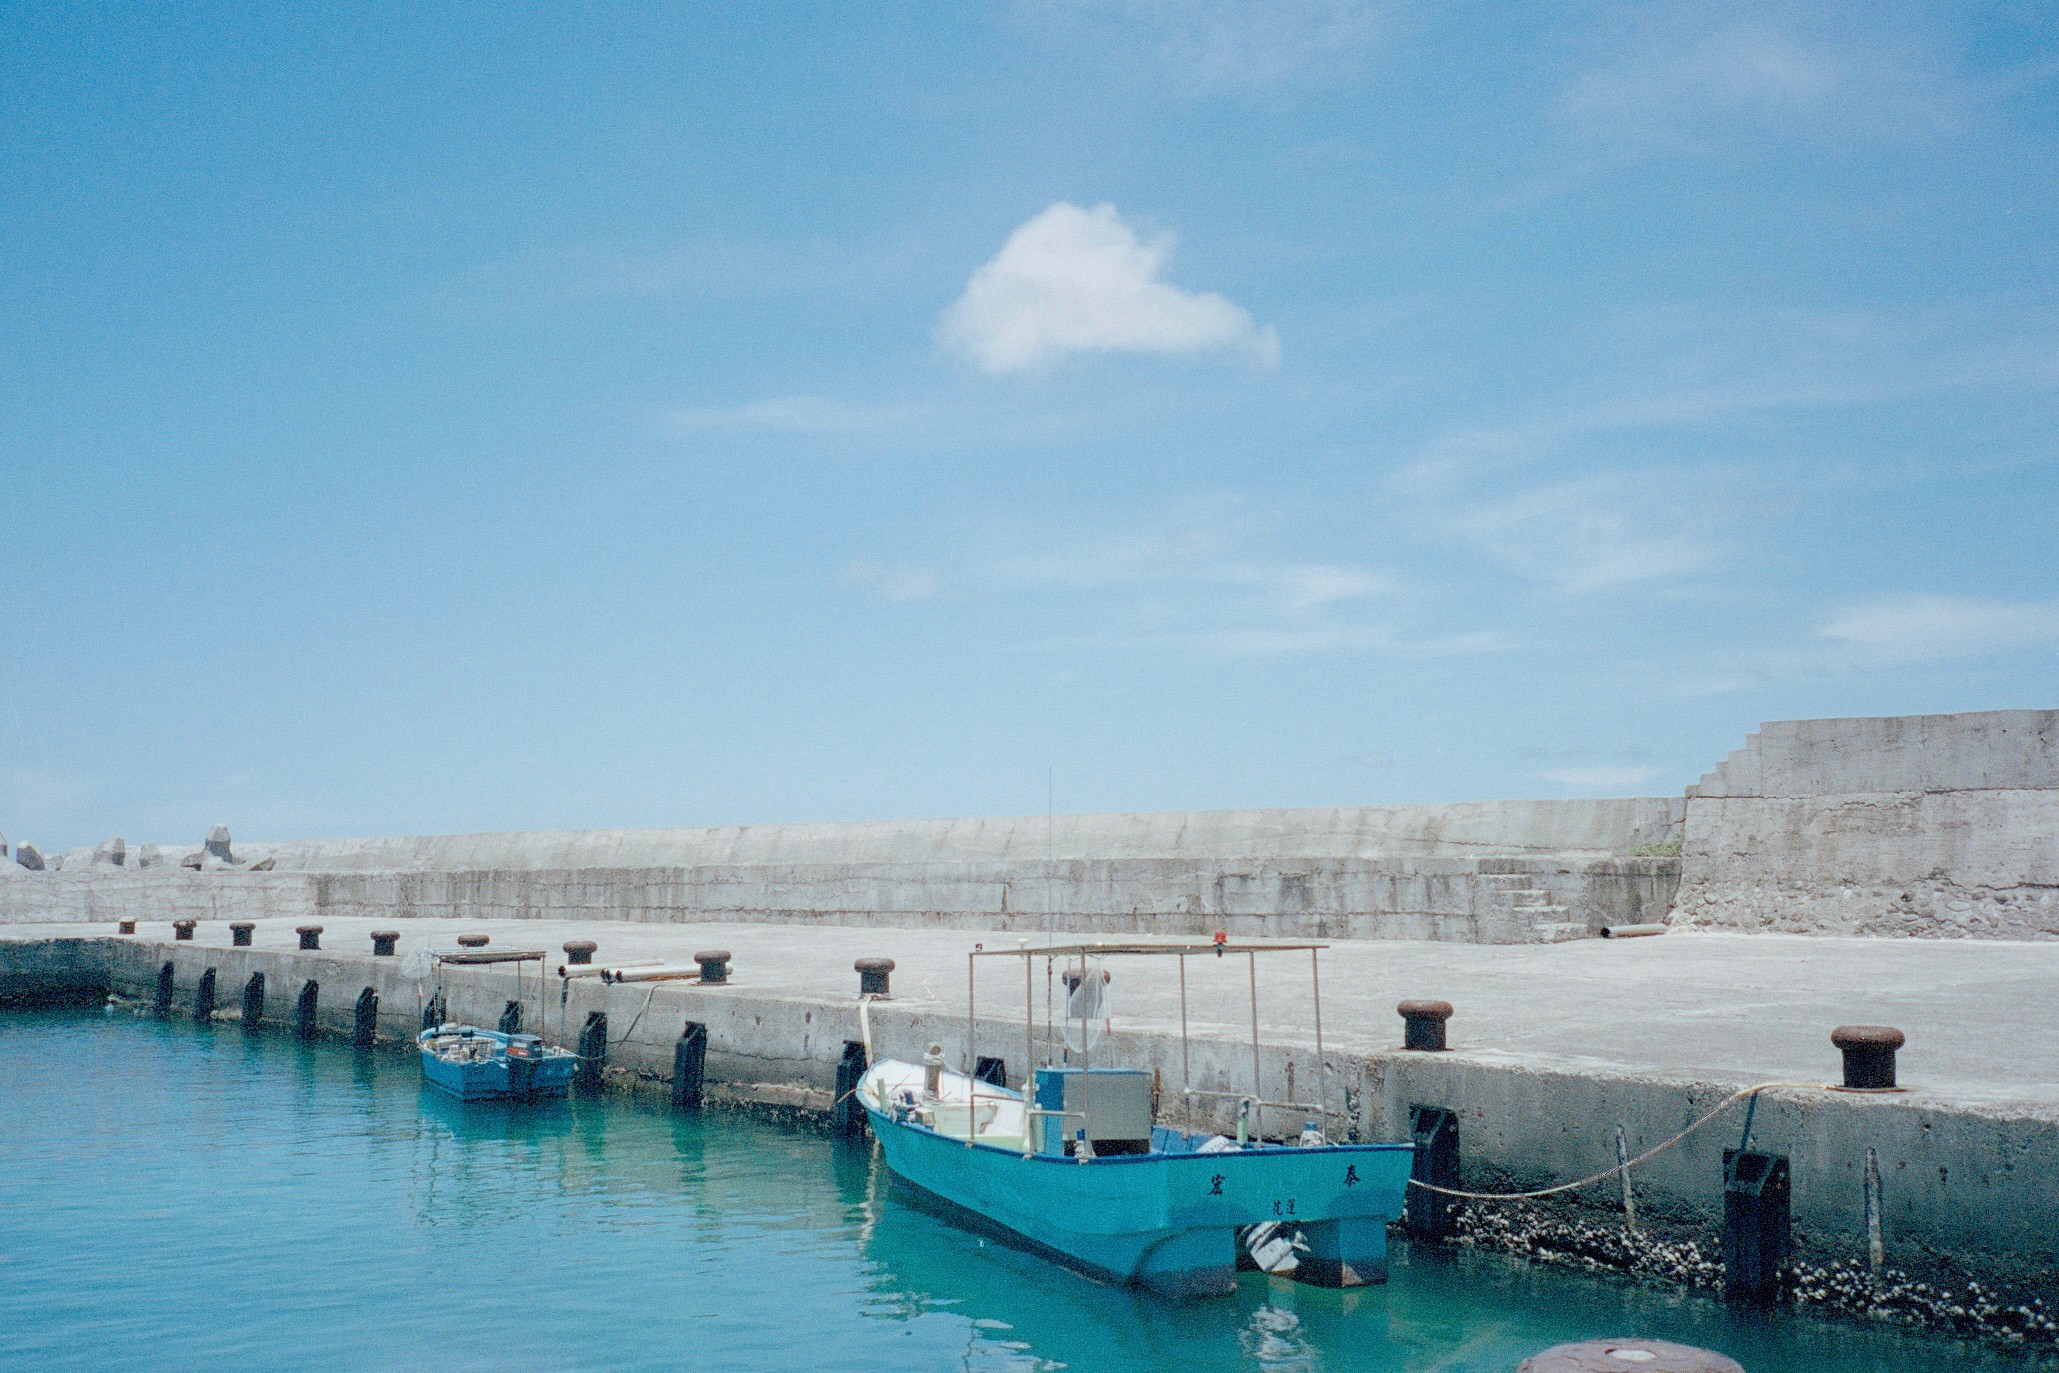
(1928, 825)
(55, 972)
(1973, 1178)
(1932, 826)
(1392, 833)
(1490, 872)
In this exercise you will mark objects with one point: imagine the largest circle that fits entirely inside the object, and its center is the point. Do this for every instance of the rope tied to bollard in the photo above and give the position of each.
(1622, 1168)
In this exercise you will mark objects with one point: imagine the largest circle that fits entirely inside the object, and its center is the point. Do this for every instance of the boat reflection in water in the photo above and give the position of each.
(924, 1259)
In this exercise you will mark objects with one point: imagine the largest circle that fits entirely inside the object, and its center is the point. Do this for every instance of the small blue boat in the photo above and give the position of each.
(487, 1065)
(1083, 1170)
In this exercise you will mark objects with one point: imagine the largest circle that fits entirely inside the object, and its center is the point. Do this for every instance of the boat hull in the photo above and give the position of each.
(491, 1080)
(1167, 1221)
(528, 1074)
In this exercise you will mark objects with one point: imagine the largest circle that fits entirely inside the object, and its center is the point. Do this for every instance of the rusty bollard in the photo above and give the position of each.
(714, 966)
(474, 941)
(183, 929)
(239, 933)
(1423, 1025)
(579, 950)
(873, 977)
(310, 936)
(1592, 1355)
(1869, 1052)
(125, 927)
(383, 942)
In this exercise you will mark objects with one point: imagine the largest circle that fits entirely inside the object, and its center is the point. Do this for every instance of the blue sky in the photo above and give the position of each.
(444, 418)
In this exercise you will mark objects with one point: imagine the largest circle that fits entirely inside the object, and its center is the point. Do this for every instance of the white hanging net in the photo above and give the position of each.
(1086, 1007)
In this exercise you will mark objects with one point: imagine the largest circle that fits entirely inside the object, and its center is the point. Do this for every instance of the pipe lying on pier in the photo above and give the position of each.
(1630, 931)
(605, 972)
(652, 972)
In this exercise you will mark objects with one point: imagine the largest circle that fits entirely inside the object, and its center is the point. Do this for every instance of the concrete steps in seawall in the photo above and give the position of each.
(1550, 899)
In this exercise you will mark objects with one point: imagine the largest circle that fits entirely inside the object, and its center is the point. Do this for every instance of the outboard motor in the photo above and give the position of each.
(524, 1052)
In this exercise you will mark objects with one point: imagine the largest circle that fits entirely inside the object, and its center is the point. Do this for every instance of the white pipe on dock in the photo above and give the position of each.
(601, 970)
(653, 972)
(1630, 931)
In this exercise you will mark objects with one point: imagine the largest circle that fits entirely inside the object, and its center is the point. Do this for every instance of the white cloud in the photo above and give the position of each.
(1196, 580)
(1209, 46)
(1598, 777)
(1592, 533)
(1867, 637)
(796, 415)
(1587, 534)
(894, 581)
(1923, 628)
(1695, 78)
(1073, 280)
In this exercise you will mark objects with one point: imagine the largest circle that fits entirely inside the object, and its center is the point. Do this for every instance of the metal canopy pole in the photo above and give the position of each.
(1322, 1065)
(1086, 1058)
(1257, 1082)
(971, 1051)
(1029, 1025)
(1186, 1069)
(1049, 1022)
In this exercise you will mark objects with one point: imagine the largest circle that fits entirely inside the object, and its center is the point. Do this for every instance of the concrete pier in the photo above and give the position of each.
(1941, 832)
(1551, 1047)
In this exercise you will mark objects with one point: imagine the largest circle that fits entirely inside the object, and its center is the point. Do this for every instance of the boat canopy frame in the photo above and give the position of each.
(469, 957)
(1219, 947)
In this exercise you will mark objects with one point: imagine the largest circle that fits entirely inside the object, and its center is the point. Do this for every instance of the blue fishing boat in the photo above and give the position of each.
(1083, 1170)
(473, 1064)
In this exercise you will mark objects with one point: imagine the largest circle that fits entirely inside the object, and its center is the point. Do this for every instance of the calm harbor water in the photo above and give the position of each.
(174, 1196)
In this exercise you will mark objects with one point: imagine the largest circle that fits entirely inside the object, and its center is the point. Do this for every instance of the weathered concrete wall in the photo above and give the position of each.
(1976, 1190)
(45, 972)
(1933, 825)
(1404, 872)
(1449, 832)
(1340, 898)
(161, 893)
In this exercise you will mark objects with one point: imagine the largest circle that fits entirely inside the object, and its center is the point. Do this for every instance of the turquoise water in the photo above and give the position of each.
(173, 1196)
